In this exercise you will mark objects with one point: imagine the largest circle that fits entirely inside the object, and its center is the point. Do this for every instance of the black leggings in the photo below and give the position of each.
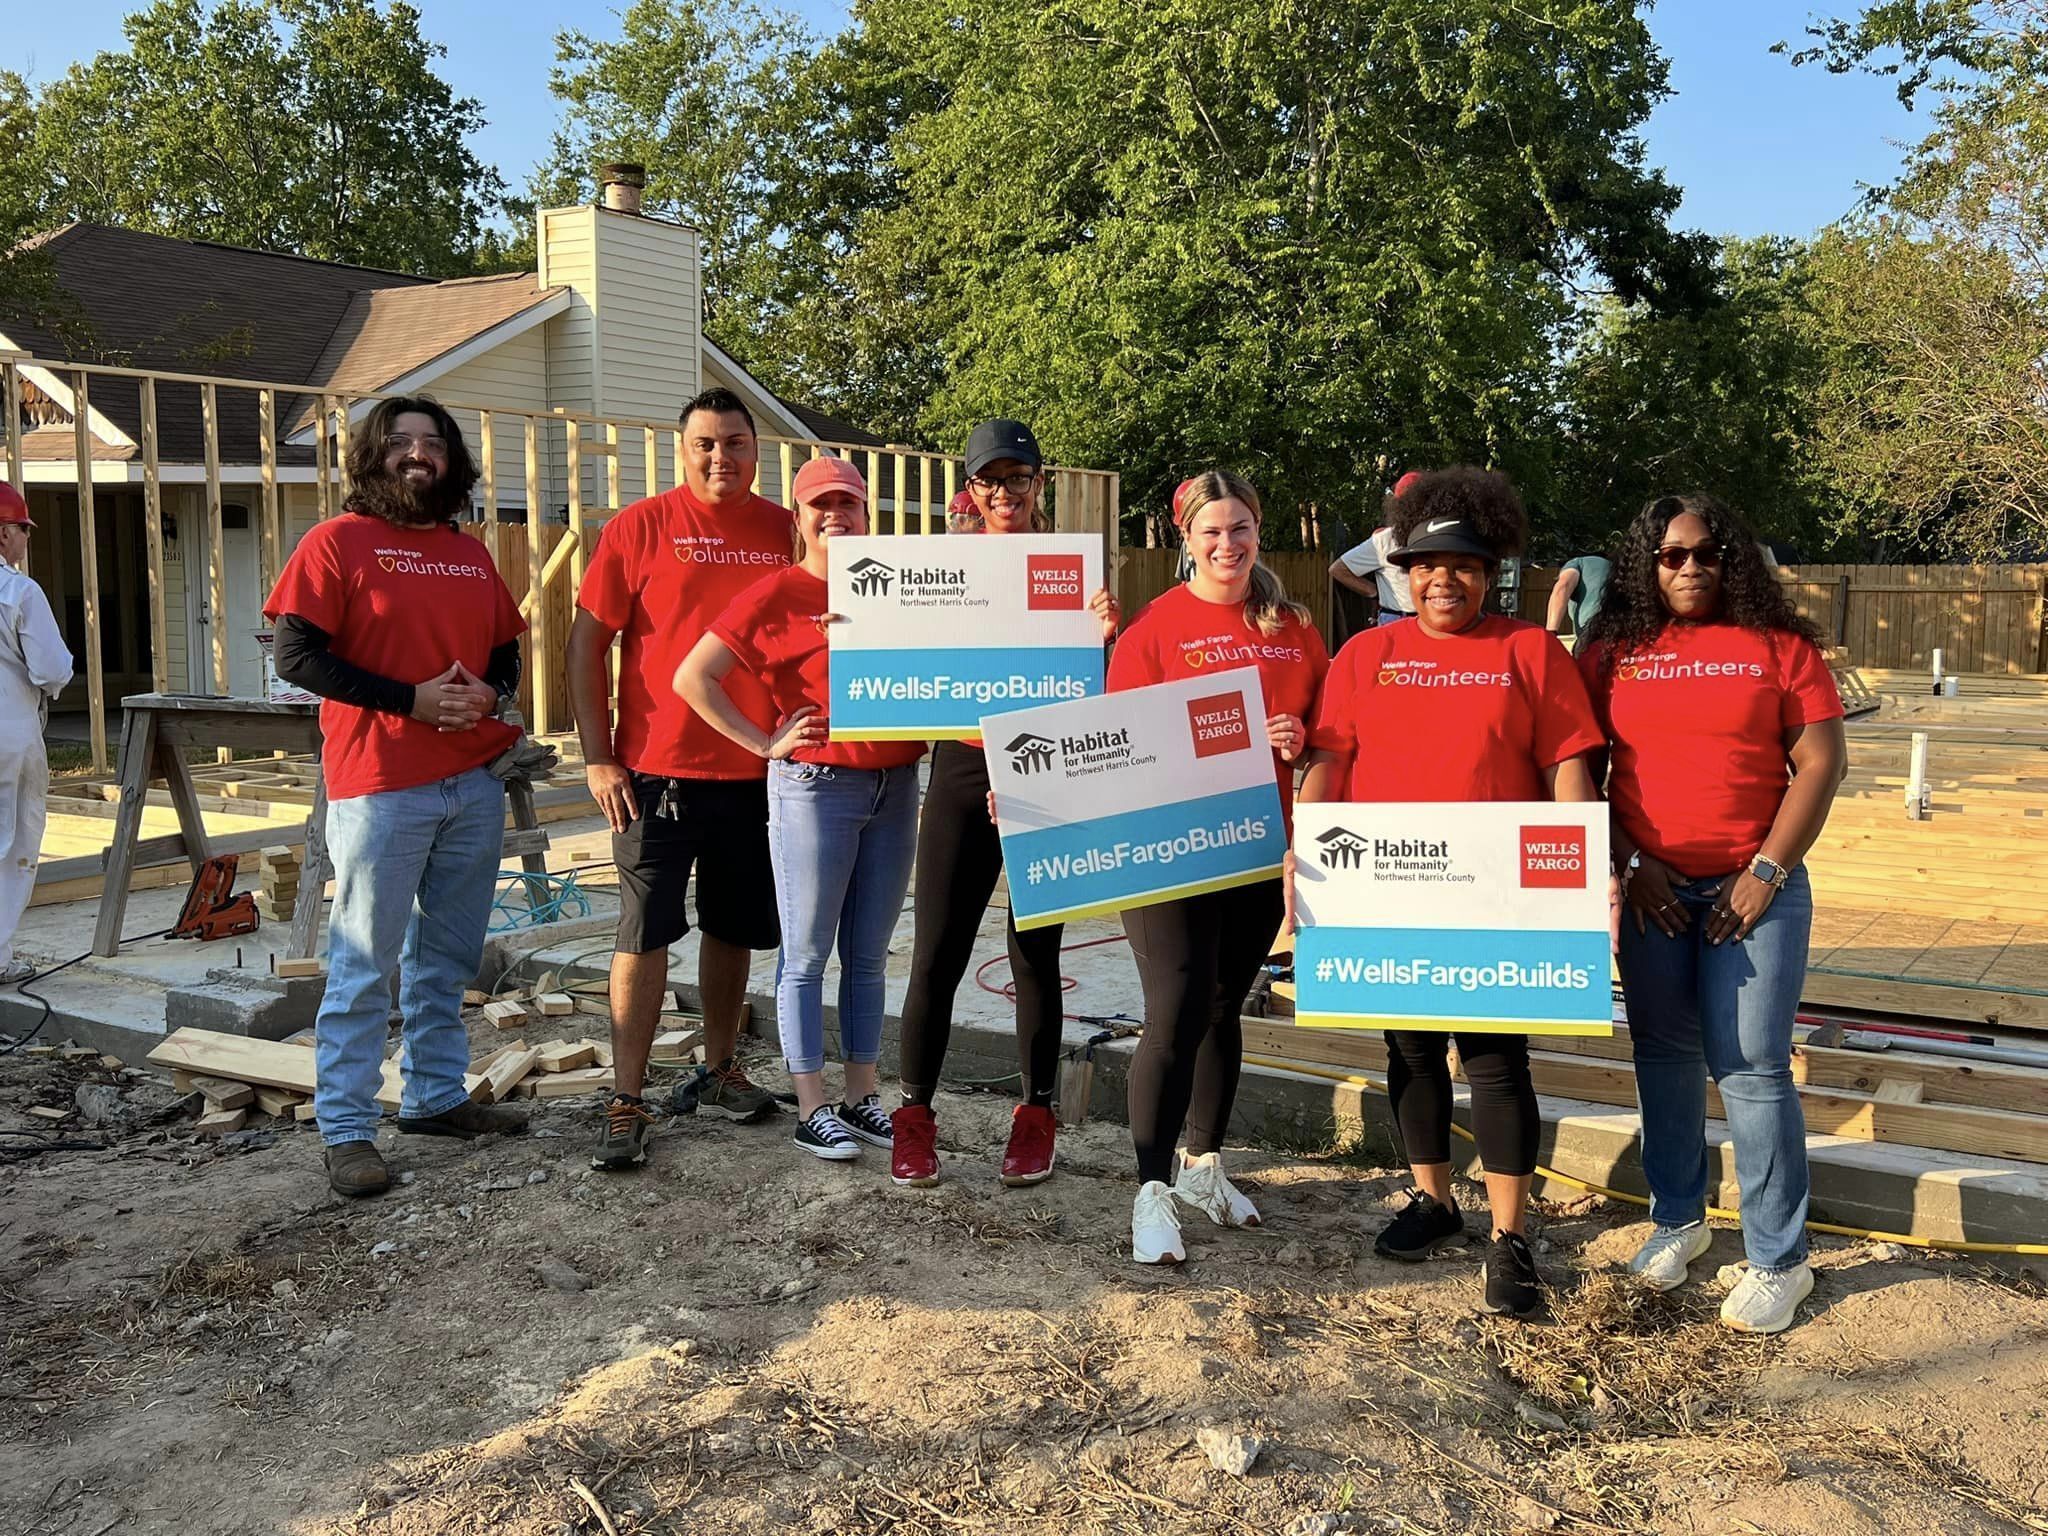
(1504, 1117)
(959, 856)
(1197, 959)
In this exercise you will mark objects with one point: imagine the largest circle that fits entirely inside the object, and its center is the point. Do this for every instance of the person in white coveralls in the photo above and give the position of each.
(34, 667)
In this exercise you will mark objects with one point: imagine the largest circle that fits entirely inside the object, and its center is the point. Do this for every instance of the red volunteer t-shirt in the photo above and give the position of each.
(1180, 635)
(664, 568)
(1698, 722)
(771, 627)
(403, 603)
(1474, 716)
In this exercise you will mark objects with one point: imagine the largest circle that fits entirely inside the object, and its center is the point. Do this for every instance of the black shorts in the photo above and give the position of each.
(717, 826)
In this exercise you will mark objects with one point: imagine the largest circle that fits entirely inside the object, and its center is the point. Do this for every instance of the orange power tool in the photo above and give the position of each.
(212, 910)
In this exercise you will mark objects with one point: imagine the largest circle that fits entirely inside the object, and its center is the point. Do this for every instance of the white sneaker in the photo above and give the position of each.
(16, 971)
(1764, 1300)
(1661, 1262)
(1155, 1226)
(1200, 1182)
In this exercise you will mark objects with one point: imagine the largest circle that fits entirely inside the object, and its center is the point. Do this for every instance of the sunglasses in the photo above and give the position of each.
(1673, 556)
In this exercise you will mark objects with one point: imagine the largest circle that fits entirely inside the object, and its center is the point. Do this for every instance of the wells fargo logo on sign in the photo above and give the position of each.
(1218, 724)
(1554, 858)
(1053, 581)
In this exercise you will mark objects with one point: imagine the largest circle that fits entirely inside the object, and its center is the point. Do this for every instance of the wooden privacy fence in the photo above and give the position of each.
(563, 475)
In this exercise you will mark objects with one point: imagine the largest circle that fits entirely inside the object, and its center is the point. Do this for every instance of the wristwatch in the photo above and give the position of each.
(1770, 871)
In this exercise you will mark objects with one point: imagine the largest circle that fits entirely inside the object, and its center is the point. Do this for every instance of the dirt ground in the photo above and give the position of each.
(201, 1339)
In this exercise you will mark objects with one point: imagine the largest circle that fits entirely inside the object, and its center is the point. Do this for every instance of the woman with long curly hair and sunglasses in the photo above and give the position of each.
(1726, 750)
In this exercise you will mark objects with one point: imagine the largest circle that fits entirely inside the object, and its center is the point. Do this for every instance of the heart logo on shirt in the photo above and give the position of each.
(1386, 677)
(387, 562)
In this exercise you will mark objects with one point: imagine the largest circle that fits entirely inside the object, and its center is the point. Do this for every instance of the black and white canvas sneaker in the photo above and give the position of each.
(822, 1135)
(869, 1122)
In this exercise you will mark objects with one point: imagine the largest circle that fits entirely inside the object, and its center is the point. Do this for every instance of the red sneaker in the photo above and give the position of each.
(915, 1159)
(1028, 1158)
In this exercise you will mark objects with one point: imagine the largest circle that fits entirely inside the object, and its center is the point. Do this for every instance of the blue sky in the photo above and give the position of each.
(1758, 146)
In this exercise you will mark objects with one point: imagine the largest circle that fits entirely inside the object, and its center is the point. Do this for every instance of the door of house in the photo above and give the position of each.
(244, 614)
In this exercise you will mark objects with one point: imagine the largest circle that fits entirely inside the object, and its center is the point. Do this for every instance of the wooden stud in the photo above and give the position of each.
(289, 969)
(276, 1102)
(220, 1122)
(153, 541)
(473, 997)
(506, 1015)
(562, 1085)
(600, 1052)
(216, 539)
(47, 1112)
(505, 1073)
(263, 1063)
(220, 1092)
(566, 1055)
(556, 1005)
(487, 445)
(89, 570)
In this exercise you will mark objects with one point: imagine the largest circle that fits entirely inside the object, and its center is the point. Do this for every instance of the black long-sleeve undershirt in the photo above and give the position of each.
(304, 660)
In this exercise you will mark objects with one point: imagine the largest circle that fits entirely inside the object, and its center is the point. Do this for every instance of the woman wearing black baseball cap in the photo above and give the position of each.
(1461, 705)
(959, 857)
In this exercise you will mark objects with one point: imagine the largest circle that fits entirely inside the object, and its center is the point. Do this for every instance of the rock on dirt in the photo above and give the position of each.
(1228, 1451)
(99, 1103)
(557, 1276)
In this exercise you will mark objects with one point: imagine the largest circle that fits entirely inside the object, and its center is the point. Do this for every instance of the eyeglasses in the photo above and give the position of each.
(1673, 556)
(402, 442)
(1017, 485)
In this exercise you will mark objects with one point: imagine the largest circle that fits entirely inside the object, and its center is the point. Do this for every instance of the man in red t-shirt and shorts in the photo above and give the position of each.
(679, 794)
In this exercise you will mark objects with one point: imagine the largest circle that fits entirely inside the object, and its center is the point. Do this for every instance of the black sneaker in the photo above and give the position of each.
(1422, 1227)
(622, 1143)
(1512, 1284)
(868, 1121)
(822, 1135)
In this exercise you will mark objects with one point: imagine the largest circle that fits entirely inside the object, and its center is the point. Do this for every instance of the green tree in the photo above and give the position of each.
(313, 126)
(1317, 244)
(1933, 426)
(1720, 398)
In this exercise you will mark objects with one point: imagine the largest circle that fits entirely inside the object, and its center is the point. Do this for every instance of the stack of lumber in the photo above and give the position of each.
(1892, 1096)
(277, 892)
(237, 1074)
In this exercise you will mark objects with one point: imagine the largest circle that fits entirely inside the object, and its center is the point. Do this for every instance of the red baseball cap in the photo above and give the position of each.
(1402, 485)
(1180, 497)
(826, 473)
(14, 507)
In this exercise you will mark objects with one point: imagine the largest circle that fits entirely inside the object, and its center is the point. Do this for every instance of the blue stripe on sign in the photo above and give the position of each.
(1431, 973)
(1107, 859)
(952, 689)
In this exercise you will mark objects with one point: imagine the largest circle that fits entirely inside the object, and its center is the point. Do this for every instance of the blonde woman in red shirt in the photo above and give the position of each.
(1458, 705)
(1728, 747)
(1197, 956)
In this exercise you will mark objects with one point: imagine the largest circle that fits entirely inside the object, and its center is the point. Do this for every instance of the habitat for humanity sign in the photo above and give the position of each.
(1133, 798)
(1452, 916)
(941, 631)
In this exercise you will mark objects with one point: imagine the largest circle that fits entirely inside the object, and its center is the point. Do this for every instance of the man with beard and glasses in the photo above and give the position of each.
(679, 796)
(400, 622)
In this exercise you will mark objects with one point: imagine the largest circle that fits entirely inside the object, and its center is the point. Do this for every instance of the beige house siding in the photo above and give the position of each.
(647, 316)
(515, 376)
(568, 259)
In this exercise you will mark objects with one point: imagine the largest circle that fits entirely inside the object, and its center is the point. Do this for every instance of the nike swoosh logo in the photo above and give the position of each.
(1441, 524)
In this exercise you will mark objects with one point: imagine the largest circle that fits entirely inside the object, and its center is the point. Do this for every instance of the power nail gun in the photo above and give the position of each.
(212, 910)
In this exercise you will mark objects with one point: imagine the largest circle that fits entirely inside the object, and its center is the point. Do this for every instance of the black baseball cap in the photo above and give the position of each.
(1443, 536)
(1001, 439)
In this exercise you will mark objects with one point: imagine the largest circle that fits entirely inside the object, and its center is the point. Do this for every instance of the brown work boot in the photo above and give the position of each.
(466, 1120)
(356, 1168)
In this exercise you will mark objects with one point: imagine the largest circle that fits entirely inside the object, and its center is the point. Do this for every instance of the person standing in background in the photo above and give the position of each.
(34, 667)
(1581, 586)
(1368, 567)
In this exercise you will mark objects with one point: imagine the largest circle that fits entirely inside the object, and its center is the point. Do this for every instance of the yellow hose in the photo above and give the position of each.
(1903, 1238)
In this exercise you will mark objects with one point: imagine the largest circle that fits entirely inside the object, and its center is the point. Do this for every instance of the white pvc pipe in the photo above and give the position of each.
(1917, 799)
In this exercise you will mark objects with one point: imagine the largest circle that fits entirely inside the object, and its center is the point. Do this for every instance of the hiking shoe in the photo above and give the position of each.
(1422, 1227)
(1028, 1158)
(914, 1157)
(727, 1090)
(1661, 1262)
(466, 1121)
(628, 1123)
(867, 1121)
(822, 1135)
(15, 972)
(1155, 1226)
(356, 1169)
(1764, 1300)
(1512, 1284)
(1200, 1182)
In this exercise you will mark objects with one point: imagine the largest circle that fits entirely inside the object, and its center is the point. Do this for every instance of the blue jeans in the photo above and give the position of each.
(414, 875)
(1696, 1008)
(842, 841)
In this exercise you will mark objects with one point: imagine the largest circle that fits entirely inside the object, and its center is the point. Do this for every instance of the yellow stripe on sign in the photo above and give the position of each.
(1473, 1026)
(1177, 893)
(894, 735)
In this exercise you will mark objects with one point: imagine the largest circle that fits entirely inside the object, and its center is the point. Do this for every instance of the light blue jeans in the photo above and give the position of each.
(842, 841)
(1696, 1008)
(414, 874)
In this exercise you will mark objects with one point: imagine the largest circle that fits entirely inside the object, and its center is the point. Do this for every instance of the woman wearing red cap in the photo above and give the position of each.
(1197, 956)
(959, 857)
(1458, 706)
(842, 816)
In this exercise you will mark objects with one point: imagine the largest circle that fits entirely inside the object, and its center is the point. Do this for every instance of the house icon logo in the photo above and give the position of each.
(1030, 754)
(1342, 849)
(871, 578)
